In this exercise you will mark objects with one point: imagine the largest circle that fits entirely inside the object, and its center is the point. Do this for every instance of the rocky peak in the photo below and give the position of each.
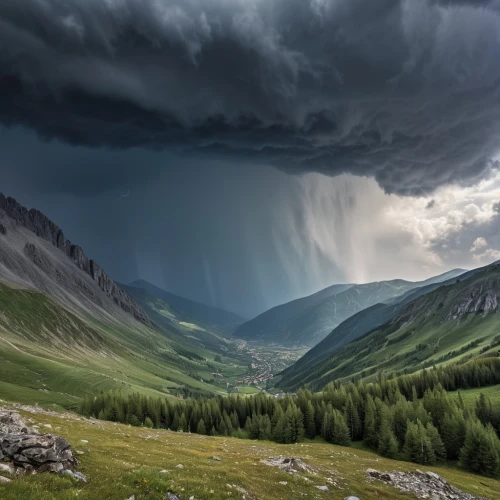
(38, 223)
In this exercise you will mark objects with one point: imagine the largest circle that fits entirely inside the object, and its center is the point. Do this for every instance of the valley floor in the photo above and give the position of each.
(121, 461)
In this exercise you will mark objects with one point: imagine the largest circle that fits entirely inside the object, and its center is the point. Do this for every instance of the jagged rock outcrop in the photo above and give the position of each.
(3, 229)
(38, 223)
(482, 300)
(289, 464)
(422, 484)
(23, 449)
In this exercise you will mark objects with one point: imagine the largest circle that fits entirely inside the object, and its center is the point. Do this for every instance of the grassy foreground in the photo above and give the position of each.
(122, 461)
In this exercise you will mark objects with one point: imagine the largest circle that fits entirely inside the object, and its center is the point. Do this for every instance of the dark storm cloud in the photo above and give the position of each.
(405, 91)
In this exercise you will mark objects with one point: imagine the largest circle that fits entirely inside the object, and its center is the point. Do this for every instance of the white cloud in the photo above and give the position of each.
(490, 255)
(478, 244)
(370, 235)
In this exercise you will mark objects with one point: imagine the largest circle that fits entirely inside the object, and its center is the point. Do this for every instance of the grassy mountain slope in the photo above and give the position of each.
(309, 320)
(170, 319)
(65, 333)
(122, 461)
(212, 318)
(367, 320)
(274, 325)
(453, 322)
(52, 356)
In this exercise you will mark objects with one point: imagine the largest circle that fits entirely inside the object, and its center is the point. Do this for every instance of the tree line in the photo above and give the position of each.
(411, 417)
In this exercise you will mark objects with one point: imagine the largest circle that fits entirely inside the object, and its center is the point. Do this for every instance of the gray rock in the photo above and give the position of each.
(3, 229)
(422, 484)
(4, 480)
(77, 475)
(39, 224)
(171, 496)
(351, 498)
(6, 468)
(30, 451)
(322, 488)
(288, 464)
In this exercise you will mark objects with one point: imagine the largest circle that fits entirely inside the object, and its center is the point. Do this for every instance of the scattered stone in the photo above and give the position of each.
(4, 480)
(164, 471)
(47, 426)
(180, 466)
(6, 468)
(171, 496)
(132, 497)
(26, 450)
(79, 452)
(322, 488)
(77, 475)
(84, 441)
(284, 483)
(216, 458)
(422, 484)
(288, 464)
(351, 498)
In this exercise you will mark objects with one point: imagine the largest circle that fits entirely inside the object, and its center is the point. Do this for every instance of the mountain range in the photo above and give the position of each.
(213, 318)
(66, 328)
(307, 321)
(450, 321)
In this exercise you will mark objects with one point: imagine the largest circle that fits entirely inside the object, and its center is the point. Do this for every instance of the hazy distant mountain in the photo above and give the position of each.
(309, 320)
(212, 317)
(436, 323)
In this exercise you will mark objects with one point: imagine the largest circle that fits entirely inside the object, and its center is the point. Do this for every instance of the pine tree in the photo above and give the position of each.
(418, 447)
(352, 419)
(370, 431)
(200, 428)
(452, 432)
(388, 445)
(309, 423)
(182, 423)
(148, 423)
(265, 428)
(340, 432)
(279, 430)
(436, 442)
(484, 410)
(481, 450)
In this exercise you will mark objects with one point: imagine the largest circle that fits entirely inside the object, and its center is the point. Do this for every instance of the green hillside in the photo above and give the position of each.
(309, 320)
(452, 323)
(214, 319)
(180, 324)
(51, 356)
(122, 461)
(367, 320)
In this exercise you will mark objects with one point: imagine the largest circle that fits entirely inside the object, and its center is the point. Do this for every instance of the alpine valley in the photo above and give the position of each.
(249, 250)
(75, 340)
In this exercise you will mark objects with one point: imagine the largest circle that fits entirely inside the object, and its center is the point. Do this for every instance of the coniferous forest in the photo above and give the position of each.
(412, 417)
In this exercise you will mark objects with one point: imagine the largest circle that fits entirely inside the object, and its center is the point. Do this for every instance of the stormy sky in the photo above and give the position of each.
(246, 152)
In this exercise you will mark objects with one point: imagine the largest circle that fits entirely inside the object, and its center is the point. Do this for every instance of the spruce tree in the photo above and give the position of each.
(418, 446)
(340, 431)
(200, 428)
(370, 431)
(481, 450)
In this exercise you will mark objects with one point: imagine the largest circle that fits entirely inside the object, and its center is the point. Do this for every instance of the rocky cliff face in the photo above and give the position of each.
(482, 300)
(42, 226)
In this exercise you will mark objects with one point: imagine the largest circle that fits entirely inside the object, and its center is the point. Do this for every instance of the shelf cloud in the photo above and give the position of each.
(406, 92)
